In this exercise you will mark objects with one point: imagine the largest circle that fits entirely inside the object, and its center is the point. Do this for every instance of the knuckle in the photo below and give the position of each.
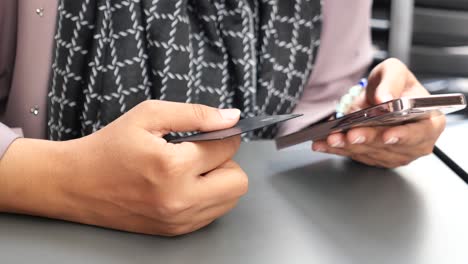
(427, 150)
(391, 165)
(395, 62)
(170, 208)
(401, 163)
(358, 150)
(200, 112)
(175, 230)
(359, 159)
(355, 157)
(421, 150)
(442, 124)
(405, 162)
(170, 163)
(438, 124)
(242, 184)
(364, 160)
(159, 167)
(148, 105)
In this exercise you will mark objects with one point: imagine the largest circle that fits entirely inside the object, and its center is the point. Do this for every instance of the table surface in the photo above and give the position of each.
(302, 207)
(454, 141)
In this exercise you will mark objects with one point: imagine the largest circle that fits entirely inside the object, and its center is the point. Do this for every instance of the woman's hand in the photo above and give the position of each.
(387, 147)
(126, 176)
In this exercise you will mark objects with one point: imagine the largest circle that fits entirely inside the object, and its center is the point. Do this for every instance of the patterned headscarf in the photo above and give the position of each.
(110, 55)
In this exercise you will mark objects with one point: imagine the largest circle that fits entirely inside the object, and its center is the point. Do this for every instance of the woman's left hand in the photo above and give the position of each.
(387, 147)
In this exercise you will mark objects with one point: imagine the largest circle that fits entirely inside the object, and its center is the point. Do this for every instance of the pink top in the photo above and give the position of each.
(28, 27)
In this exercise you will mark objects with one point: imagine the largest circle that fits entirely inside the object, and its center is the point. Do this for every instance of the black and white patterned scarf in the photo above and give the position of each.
(110, 55)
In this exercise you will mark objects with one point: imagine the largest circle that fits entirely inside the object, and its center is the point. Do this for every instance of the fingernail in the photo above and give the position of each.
(338, 144)
(392, 141)
(320, 149)
(359, 140)
(229, 114)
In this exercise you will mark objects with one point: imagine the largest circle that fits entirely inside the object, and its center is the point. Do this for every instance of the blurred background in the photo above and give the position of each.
(430, 36)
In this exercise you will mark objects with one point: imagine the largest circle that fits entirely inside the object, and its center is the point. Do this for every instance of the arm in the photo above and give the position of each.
(126, 176)
(28, 171)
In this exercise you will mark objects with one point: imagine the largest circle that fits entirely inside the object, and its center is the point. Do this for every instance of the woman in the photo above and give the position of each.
(88, 86)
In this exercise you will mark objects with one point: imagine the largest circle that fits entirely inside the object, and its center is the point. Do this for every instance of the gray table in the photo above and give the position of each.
(301, 208)
(454, 141)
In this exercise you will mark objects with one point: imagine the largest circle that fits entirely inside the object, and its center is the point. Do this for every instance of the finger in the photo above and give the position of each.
(372, 156)
(387, 81)
(165, 117)
(216, 211)
(359, 103)
(351, 151)
(384, 158)
(337, 140)
(364, 135)
(183, 229)
(335, 151)
(198, 226)
(365, 159)
(416, 133)
(203, 157)
(377, 159)
(320, 146)
(200, 214)
(357, 149)
(383, 155)
(225, 183)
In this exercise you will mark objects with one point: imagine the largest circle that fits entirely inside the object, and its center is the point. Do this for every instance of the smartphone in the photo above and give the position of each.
(391, 113)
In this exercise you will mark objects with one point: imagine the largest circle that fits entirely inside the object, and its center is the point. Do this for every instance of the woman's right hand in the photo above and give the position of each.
(126, 176)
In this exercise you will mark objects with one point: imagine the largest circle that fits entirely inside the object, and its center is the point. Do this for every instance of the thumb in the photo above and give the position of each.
(387, 82)
(168, 117)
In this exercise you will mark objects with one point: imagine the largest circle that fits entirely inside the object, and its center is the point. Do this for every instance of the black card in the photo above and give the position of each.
(243, 126)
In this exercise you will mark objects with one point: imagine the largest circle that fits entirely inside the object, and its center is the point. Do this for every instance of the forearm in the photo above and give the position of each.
(31, 172)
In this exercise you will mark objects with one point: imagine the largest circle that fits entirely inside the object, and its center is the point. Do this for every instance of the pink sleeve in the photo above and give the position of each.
(316, 108)
(345, 54)
(7, 45)
(7, 136)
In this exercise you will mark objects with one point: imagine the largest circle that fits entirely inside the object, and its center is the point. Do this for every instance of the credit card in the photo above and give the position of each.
(243, 126)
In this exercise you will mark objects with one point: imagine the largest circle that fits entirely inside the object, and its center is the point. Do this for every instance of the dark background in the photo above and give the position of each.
(430, 36)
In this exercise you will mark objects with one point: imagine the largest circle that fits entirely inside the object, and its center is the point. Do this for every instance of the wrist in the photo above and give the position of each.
(31, 173)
